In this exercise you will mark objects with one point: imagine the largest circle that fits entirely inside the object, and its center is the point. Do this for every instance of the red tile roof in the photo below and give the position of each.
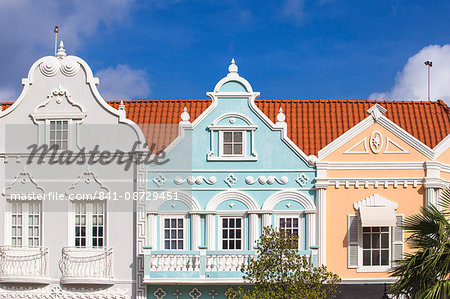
(312, 124)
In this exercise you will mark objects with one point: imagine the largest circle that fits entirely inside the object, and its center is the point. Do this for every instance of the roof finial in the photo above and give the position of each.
(1, 108)
(121, 106)
(281, 117)
(185, 117)
(376, 111)
(233, 67)
(61, 51)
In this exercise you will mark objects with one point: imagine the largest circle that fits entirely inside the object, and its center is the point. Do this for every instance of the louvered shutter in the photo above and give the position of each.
(353, 246)
(397, 240)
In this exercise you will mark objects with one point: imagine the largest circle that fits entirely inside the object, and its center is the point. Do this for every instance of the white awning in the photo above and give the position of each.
(377, 216)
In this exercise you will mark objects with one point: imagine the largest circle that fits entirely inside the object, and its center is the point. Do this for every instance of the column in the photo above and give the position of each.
(253, 233)
(266, 219)
(322, 224)
(195, 231)
(210, 231)
(151, 230)
(310, 230)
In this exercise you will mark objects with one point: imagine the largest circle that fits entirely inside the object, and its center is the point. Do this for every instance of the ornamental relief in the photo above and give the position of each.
(376, 143)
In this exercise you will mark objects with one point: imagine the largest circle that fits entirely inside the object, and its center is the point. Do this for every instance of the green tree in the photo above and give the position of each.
(425, 272)
(278, 271)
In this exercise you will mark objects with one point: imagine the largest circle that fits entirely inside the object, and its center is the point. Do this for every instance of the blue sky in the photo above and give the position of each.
(329, 49)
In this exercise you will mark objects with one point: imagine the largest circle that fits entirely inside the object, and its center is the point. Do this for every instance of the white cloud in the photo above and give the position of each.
(411, 83)
(26, 28)
(123, 83)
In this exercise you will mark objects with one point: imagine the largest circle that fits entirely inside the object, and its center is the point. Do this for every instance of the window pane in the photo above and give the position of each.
(173, 223)
(238, 149)
(166, 244)
(227, 149)
(180, 223)
(238, 137)
(224, 244)
(238, 222)
(166, 223)
(224, 234)
(225, 223)
(295, 224)
(366, 258)
(375, 229)
(375, 258)
(366, 241)
(227, 137)
(238, 244)
(166, 234)
(385, 257)
(384, 240)
(180, 244)
(385, 229)
(375, 241)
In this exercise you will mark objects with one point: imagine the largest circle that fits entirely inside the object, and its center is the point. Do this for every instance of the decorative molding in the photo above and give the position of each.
(23, 183)
(187, 199)
(394, 145)
(230, 180)
(385, 123)
(232, 195)
(375, 182)
(52, 292)
(185, 117)
(87, 183)
(442, 147)
(301, 198)
(58, 100)
(195, 293)
(191, 180)
(375, 165)
(159, 179)
(269, 180)
(363, 142)
(375, 201)
(376, 142)
(302, 179)
(159, 293)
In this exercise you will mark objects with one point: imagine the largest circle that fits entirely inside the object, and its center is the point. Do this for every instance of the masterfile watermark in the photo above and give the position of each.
(94, 156)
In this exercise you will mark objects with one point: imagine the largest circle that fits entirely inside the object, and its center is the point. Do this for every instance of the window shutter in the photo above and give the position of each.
(353, 245)
(397, 240)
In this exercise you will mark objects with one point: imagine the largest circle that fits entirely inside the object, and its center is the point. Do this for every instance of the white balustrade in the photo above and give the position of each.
(227, 262)
(23, 264)
(86, 264)
(174, 262)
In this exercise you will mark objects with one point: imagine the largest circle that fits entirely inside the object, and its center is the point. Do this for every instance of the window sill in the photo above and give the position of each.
(373, 269)
(232, 158)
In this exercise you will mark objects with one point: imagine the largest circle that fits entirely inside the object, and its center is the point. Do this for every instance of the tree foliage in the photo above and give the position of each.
(425, 272)
(278, 271)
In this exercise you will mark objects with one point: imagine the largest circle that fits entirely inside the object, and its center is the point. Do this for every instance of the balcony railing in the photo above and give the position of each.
(185, 266)
(86, 265)
(24, 265)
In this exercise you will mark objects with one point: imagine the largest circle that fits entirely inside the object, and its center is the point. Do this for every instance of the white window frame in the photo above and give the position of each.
(70, 132)
(301, 237)
(185, 230)
(89, 223)
(244, 228)
(25, 223)
(392, 242)
(371, 268)
(221, 144)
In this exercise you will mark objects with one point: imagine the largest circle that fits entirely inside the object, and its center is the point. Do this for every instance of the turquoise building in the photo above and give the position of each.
(230, 172)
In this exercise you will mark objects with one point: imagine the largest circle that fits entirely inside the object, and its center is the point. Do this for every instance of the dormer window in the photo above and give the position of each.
(232, 138)
(232, 143)
(59, 134)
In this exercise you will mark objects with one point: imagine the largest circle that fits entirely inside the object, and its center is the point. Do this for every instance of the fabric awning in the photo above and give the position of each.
(377, 216)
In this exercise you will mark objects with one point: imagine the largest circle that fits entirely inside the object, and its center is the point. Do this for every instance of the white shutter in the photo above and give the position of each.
(397, 240)
(353, 245)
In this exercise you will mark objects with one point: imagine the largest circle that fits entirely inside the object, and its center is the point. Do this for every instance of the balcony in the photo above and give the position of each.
(24, 265)
(87, 266)
(200, 266)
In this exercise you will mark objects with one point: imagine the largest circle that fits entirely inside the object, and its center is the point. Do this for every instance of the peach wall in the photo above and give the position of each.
(340, 204)
(444, 157)
(339, 155)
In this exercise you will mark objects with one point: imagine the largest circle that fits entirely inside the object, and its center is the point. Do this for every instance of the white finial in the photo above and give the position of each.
(185, 117)
(61, 51)
(1, 108)
(122, 106)
(376, 111)
(281, 117)
(233, 67)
